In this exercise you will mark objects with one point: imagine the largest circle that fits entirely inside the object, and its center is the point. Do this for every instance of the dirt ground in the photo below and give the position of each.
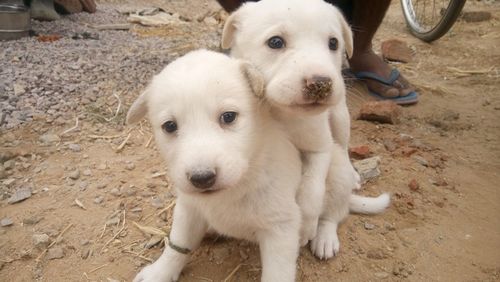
(448, 229)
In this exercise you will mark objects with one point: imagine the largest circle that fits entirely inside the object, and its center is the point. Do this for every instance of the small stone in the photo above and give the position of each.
(84, 242)
(389, 145)
(83, 185)
(98, 200)
(8, 182)
(19, 89)
(32, 220)
(360, 152)
(75, 147)
(157, 203)
(421, 160)
(130, 166)
(219, 255)
(369, 226)
(476, 16)
(75, 174)
(6, 222)
(113, 221)
(102, 166)
(368, 168)
(85, 253)
(413, 185)
(87, 172)
(440, 182)
(376, 253)
(396, 50)
(115, 192)
(10, 164)
(49, 138)
(380, 111)
(407, 151)
(101, 185)
(210, 21)
(55, 253)
(21, 194)
(389, 226)
(41, 240)
(381, 275)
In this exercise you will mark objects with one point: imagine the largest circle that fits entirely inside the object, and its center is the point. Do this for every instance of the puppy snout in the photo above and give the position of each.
(202, 179)
(318, 87)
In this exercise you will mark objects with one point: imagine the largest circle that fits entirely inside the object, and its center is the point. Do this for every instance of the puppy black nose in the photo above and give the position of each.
(317, 87)
(202, 179)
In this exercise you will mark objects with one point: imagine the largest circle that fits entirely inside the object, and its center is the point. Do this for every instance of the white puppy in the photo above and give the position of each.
(234, 168)
(299, 46)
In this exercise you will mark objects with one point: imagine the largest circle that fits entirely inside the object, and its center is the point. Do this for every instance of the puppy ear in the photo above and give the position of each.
(254, 78)
(347, 36)
(229, 30)
(138, 109)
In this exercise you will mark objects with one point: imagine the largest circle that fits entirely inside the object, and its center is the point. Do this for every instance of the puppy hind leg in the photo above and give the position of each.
(188, 229)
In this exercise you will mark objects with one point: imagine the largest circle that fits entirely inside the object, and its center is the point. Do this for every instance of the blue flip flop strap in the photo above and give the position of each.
(370, 75)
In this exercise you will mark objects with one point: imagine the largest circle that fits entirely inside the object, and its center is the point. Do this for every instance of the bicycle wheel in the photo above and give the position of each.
(428, 20)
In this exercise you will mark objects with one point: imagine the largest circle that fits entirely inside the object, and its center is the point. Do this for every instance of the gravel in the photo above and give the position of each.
(51, 81)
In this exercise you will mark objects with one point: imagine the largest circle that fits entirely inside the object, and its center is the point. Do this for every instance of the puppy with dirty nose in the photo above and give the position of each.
(234, 168)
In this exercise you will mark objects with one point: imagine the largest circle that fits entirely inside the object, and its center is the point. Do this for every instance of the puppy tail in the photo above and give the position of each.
(369, 205)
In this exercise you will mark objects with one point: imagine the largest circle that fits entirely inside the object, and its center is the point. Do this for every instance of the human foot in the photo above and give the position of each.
(381, 80)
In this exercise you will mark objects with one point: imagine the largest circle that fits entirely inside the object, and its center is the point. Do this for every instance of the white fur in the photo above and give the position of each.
(258, 168)
(306, 26)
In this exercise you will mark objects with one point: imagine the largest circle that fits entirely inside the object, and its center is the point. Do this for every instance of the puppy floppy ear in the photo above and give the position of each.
(229, 30)
(347, 36)
(254, 78)
(138, 109)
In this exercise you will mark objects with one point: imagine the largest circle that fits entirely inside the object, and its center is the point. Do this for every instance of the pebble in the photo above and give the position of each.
(98, 200)
(380, 111)
(20, 195)
(396, 50)
(413, 185)
(32, 220)
(101, 185)
(55, 253)
(368, 168)
(102, 166)
(75, 147)
(113, 221)
(220, 254)
(360, 152)
(6, 222)
(381, 275)
(87, 172)
(476, 16)
(8, 165)
(75, 174)
(157, 202)
(115, 192)
(8, 182)
(369, 226)
(83, 185)
(130, 166)
(376, 253)
(49, 138)
(421, 160)
(85, 253)
(41, 240)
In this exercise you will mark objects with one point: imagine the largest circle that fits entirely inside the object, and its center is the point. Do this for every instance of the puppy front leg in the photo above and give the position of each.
(311, 192)
(188, 229)
(279, 252)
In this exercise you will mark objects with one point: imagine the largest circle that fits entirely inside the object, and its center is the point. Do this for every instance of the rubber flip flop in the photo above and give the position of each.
(411, 98)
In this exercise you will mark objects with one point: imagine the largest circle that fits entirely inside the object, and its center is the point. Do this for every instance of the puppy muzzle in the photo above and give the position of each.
(202, 179)
(317, 88)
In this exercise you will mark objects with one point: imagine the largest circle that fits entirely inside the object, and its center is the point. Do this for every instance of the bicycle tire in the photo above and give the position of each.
(438, 30)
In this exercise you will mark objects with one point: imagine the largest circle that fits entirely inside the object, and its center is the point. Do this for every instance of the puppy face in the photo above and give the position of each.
(298, 45)
(203, 110)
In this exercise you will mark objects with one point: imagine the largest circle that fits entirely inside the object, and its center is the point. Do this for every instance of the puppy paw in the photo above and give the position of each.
(356, 179)
(326, 243)
(308, 230)
(157, 272)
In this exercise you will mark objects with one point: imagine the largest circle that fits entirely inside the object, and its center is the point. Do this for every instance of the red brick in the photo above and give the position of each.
(380, 111)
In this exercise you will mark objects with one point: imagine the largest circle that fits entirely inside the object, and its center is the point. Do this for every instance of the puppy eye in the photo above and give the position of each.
(333, 44)
(276, 42)
(228, 117)
(169, 126)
